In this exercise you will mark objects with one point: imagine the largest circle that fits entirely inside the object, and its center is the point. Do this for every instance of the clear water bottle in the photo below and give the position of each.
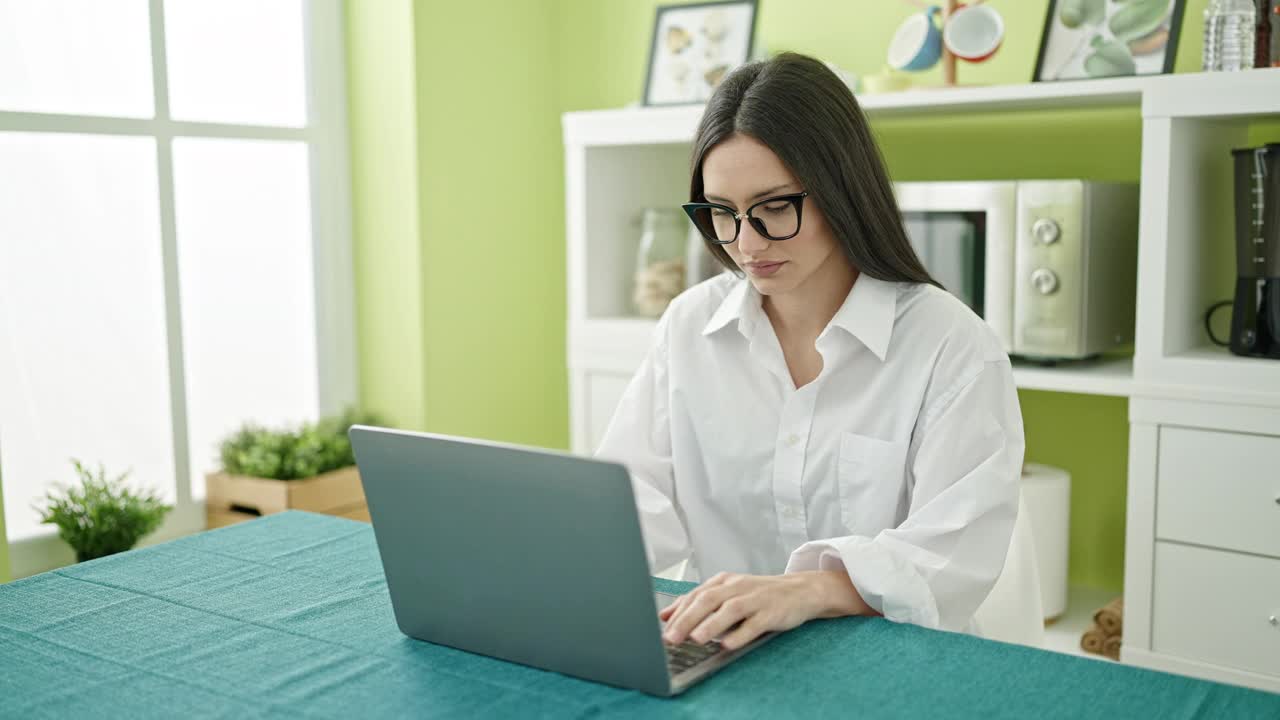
(1228, 35)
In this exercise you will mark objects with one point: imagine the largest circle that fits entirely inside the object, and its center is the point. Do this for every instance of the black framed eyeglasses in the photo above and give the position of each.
(777, 218)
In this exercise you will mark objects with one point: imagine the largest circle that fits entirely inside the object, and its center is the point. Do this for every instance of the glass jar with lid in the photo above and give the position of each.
(660, 260)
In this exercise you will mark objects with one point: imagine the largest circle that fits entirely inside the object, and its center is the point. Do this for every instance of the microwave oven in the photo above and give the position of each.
(1051, 265)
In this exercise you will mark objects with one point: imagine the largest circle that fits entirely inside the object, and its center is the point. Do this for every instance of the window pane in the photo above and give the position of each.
(87, 57)
(236, 61)
(83, 364)
(248, 300)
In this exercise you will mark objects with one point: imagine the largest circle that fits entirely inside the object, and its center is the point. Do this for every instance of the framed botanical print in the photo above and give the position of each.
(1086, 39)
(694, 47)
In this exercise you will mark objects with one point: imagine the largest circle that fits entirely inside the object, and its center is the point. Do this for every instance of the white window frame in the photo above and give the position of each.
(326, 136)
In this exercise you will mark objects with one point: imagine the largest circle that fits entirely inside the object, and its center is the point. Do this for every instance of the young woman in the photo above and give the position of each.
(823, 432)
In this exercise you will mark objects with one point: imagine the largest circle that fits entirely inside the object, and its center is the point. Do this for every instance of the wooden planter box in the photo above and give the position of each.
(235, 498)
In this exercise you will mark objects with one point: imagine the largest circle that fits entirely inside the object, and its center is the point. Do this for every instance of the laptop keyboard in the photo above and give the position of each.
(686, 655)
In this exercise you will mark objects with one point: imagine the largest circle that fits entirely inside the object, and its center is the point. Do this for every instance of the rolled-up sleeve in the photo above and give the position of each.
(939, 564)
(639, 437)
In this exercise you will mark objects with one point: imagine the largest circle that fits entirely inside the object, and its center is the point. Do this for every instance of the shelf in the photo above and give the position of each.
(1114, 92)
(625, 328)
(1246, 94)
(1102, 376)
(632, 126)
(1229, 361)
(612, 344)
(1214, 374)
(1242, 94)
(655, 126)
(1063, 634)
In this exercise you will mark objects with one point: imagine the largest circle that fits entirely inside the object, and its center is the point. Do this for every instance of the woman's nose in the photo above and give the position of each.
(750, 241)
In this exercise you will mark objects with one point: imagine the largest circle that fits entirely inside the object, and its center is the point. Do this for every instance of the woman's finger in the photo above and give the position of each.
(730, 613)
(717, 579)
(672, 611)
(750, 629)
(665, 613)
(683, 601)
(694, 612)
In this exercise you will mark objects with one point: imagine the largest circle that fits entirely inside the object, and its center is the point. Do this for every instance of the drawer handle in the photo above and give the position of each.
(1274, 620)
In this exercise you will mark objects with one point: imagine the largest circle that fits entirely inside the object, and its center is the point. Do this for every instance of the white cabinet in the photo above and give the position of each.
(1202, 546)
(1219, 489)
(1217, 607)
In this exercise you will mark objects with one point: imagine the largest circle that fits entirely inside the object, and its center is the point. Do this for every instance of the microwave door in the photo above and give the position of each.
(952, 246)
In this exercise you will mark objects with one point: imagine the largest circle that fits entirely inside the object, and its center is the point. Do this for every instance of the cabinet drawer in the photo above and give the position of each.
(1219, 489)
(1216, 607)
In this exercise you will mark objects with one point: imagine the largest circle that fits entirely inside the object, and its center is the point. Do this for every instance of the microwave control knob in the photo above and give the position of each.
(1044, 280)
(1045, 231)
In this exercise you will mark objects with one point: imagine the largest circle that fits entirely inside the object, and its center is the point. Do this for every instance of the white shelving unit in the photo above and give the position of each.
(1101, 376)
(619, 161)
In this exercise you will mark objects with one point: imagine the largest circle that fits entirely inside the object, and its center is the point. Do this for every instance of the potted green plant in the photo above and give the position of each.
(309, 467)
(102, 516)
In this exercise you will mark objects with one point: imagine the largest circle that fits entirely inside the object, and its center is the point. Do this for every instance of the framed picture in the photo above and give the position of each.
(1086, 39)
(694, 47)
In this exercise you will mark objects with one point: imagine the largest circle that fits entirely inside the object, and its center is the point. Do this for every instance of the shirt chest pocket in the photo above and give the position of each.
(870, 476)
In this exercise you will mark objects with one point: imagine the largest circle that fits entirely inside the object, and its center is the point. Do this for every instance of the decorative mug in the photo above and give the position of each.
(973, 33)
(917, 45)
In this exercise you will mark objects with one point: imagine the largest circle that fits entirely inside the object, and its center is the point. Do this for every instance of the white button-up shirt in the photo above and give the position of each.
(899, 464)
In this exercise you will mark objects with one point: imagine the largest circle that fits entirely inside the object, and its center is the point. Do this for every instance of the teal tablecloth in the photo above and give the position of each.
(289, 616)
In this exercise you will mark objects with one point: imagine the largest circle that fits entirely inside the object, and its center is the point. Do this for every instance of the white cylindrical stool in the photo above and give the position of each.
(1047, 494)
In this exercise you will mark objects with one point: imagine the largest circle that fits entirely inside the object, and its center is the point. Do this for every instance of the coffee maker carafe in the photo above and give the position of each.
(1255, 314)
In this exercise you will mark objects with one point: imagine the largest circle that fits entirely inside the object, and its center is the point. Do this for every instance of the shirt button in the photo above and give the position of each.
(792, 440)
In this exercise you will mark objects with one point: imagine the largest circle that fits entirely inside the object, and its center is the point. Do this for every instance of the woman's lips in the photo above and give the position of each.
(765, 269)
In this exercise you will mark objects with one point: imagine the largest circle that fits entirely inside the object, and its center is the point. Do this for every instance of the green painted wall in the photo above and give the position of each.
(491, 80)
(1089, 437)
(383, 119)
(458, 201)
(492, 218)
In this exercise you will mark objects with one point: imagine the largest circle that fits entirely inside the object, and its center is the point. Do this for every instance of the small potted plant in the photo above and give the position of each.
(266, 471)
(102, 516)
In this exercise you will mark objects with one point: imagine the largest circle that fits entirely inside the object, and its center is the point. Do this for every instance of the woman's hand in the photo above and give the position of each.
(761, 603)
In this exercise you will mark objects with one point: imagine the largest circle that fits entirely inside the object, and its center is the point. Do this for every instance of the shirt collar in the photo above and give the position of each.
(867, 313)
(742, 304)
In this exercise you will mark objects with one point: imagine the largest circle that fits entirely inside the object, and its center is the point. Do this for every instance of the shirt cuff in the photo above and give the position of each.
(890, 585)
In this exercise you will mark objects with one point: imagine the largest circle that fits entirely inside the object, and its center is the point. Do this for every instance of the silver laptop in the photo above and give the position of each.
(527, 555)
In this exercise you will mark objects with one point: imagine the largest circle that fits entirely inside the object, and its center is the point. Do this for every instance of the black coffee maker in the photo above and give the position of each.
(1255, 315)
